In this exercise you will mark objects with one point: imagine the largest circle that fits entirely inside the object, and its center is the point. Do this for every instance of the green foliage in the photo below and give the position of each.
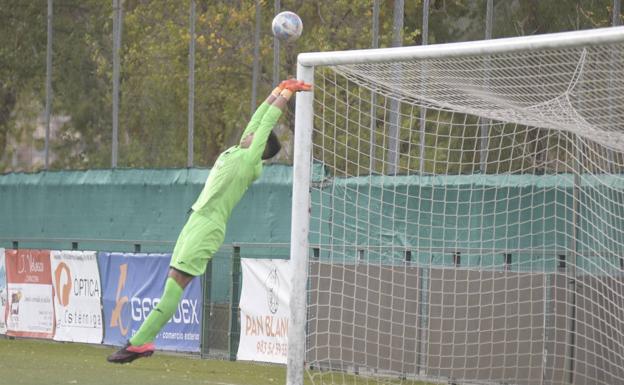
(22, 69)
(154, 69)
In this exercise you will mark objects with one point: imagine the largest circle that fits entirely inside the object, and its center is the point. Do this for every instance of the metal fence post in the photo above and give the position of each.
(48, 100)
(423, 110)
(485, 123)
(457, 258)
(255, 74)
(615, 21)
(507, 261)
(206, 328)
(394, 119)
(373, 110)
(191, 83)
(117, 17)
(234, 334)
(276, 50)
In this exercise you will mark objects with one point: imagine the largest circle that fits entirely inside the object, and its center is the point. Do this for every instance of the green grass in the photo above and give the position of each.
(36, 362)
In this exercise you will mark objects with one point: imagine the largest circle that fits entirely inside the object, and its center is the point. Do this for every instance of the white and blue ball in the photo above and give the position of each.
(287, 26)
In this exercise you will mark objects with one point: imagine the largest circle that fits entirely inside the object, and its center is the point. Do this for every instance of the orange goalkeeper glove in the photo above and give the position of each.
(295, 85)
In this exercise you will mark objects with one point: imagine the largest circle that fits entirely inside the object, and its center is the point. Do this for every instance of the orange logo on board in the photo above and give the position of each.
(120, 302)
(63, 290)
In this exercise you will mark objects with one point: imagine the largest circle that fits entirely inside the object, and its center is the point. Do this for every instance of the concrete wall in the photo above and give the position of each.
(465, 325)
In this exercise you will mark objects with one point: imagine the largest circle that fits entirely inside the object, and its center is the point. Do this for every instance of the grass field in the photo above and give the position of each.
(36, 362)
(33, 362)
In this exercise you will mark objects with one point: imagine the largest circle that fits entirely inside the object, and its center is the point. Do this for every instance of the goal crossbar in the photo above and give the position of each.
(599, 36)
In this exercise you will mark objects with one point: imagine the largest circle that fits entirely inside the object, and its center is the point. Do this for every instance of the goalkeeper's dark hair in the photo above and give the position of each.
(272, 147)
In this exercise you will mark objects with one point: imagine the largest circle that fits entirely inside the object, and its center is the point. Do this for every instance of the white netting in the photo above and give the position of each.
(573, 89)
(467, 220)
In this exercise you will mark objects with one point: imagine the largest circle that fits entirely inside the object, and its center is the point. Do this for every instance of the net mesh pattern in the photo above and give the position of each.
(466, 220)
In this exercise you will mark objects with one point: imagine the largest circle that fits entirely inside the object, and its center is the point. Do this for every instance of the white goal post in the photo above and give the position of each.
(458, 213)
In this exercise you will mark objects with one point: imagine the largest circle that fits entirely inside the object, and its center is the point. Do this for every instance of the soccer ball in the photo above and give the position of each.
(287, 26)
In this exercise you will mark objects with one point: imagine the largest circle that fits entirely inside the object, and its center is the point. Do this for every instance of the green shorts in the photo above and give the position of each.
(198, 241)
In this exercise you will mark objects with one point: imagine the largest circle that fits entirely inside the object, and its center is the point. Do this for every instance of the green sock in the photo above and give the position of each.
(160, 315)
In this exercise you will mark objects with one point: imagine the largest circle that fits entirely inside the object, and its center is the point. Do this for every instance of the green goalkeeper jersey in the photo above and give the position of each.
(236, 169)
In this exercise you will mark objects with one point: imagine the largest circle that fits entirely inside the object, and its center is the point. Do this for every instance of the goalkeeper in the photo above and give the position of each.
(202, 235)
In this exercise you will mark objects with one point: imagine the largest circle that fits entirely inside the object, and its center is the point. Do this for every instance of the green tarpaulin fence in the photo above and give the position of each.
(481, 216)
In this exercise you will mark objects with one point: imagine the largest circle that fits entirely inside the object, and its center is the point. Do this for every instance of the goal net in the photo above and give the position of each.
(458, 213)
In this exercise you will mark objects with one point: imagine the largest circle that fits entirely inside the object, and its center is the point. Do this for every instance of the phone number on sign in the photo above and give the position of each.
(272, 348)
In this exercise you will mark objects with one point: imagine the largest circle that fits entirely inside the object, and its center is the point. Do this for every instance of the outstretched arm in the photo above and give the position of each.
(273, 113)
(256, 118)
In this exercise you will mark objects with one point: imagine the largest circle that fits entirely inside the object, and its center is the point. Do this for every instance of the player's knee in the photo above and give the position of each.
(181, 277)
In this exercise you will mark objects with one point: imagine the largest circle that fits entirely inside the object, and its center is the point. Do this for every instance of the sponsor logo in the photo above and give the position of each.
(86, 287)
(28, 264)
(63, 286)
(140, 307)
(186, 313)
(272, 285)
(120, 302)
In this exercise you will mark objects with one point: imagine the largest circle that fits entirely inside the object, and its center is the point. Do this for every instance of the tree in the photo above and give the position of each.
(22, 64)
(154, 66)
